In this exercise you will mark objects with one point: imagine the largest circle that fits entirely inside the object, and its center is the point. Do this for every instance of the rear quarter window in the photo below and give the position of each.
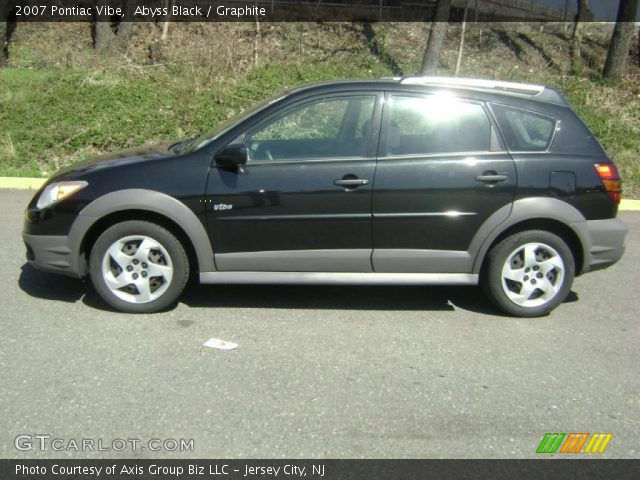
(523, 130)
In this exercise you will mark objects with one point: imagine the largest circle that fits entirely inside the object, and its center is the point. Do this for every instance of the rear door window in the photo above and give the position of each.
(436, 124)
(523, 130)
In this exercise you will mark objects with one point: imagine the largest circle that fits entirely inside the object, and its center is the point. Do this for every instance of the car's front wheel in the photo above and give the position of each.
(138, 267)
(529, 273)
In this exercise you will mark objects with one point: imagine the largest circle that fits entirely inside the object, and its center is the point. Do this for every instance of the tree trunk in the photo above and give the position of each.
(256, 43)
(436, 38)
(125, 28)
(167, 20)
(102, 36)
(621, 40)
(102, 33)
(4, 44)
(463, 31)
(576, 44)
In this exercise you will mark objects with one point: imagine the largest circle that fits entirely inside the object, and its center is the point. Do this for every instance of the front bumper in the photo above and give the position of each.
(607, 243)
(52, 253)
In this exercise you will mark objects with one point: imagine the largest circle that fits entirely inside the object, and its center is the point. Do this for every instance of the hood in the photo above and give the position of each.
(133, 155)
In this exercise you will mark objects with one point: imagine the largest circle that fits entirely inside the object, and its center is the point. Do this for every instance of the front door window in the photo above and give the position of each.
(330, 128)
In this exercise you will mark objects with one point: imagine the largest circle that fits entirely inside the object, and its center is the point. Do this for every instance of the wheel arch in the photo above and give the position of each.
(120, 216)
(553, 226)
(146, 205)
(543, 213)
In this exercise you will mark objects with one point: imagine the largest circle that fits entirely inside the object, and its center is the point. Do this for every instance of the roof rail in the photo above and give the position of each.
(543, 93)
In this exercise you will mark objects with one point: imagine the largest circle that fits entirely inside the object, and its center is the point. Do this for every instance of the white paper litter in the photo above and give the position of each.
(220, 344)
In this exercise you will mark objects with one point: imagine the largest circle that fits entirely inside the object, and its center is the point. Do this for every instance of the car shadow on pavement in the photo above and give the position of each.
(49, 286)
(435, 298)
(347, 297)
(351, 297)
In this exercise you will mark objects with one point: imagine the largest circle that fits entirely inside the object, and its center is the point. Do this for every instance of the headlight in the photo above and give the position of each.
(58, 191)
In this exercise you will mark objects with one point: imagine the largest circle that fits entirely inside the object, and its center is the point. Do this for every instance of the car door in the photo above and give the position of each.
(442, 171)
(303, 200)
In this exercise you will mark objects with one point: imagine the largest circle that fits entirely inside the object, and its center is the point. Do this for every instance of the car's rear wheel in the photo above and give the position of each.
(138, 267)
(529, 273)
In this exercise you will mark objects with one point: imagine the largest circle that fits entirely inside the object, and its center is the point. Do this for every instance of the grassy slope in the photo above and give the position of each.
(59, 103)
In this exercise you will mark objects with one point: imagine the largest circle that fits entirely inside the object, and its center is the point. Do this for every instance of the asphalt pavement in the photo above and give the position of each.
(320, 372)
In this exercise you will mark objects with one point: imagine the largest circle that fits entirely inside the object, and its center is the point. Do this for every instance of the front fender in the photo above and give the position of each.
(151, 201)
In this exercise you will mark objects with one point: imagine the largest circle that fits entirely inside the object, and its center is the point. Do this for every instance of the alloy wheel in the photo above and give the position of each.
(137, 269)
(533, 274)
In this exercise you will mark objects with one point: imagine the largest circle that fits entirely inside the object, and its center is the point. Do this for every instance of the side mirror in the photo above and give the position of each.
(232, 155)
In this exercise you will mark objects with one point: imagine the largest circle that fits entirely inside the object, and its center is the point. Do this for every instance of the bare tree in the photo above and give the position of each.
(123, 33)
(436, 38)
(105, 38)
(463, 30)
(621, 40)
(102, 35)
(102, 32)
(4, 44)
(256, 42)
(167, 20)
(576, 43)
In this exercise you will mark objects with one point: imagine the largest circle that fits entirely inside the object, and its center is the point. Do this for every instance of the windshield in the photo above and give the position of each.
(200, 141)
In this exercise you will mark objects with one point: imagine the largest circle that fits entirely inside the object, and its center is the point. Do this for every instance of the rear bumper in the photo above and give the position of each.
(52, 253)
(607, 243)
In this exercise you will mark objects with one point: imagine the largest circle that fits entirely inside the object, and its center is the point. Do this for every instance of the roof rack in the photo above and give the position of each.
(525, 89)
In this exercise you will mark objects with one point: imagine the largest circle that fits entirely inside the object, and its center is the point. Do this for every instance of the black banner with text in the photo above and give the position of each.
(317, 469)
(300, 10)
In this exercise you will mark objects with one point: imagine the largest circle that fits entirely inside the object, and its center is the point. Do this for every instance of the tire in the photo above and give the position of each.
(529, 273)
(138, 267)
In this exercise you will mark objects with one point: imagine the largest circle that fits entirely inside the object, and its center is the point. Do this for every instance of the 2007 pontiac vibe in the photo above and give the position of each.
(405, 181)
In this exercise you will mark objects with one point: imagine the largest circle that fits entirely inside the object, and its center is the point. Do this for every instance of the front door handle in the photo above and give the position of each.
(492, 178)
(351, 182)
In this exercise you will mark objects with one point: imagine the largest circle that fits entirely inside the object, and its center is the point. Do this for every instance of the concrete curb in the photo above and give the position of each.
(24, 183)
(21, 183)
(630, 205)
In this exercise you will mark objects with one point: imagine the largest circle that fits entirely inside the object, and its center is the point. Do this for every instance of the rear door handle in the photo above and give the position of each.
(492, 178)
(351, 182)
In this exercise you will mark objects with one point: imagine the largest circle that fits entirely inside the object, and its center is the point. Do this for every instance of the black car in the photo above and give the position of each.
(412, 181)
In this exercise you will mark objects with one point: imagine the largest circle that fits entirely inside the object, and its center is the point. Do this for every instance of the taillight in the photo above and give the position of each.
(611, 181)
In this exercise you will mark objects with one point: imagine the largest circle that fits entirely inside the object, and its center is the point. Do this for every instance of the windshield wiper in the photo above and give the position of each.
(180, 146)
